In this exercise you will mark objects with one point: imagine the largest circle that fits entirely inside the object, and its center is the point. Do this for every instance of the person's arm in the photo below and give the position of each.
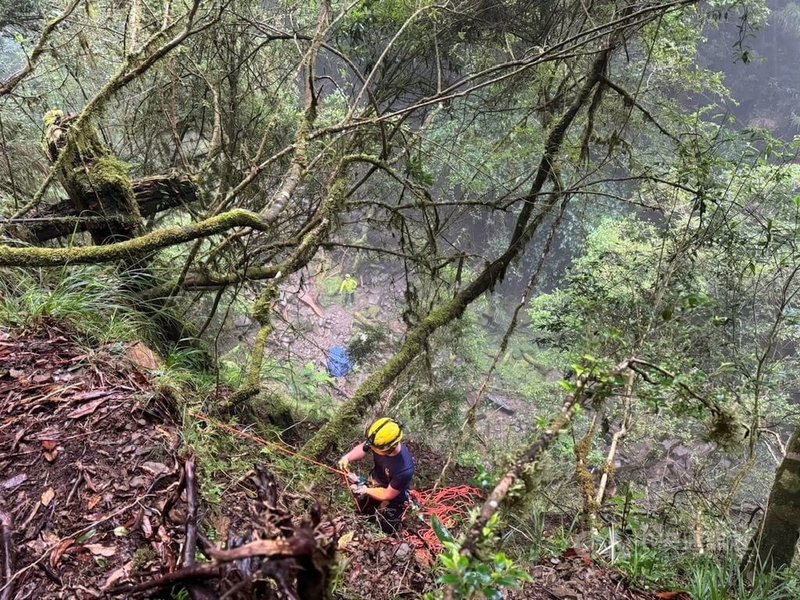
(355, 454)
(381, 493)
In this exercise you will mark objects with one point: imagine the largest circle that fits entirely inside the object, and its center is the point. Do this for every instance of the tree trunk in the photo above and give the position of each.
(99, 186)
(776, 540)
(96, 181)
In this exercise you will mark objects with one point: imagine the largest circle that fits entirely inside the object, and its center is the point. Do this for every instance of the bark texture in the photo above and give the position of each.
(152, 195)
(96, 181)
(776, 541)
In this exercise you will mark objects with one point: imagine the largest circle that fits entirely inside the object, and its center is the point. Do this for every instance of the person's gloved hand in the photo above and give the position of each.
(354, 478)
(343, 464)
(358, 489)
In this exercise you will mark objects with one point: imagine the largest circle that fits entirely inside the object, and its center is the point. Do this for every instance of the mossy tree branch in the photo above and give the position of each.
(141, 246)
(210, 280)
(316, 231)
(262, 307)
(152, 194)
(469, 421)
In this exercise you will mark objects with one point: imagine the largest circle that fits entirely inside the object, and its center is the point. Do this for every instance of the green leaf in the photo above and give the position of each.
(450, 579)
(86, 537)
(441, 531)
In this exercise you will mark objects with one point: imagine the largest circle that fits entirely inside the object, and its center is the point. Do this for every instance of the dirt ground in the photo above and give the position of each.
(94, 498)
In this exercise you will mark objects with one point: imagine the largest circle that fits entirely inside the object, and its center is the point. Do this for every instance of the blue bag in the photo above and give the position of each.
(339, 364)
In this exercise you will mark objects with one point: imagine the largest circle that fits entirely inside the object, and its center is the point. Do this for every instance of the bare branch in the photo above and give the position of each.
(9, 84)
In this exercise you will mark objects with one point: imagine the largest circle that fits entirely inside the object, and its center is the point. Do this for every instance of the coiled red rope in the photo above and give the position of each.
(450, 506)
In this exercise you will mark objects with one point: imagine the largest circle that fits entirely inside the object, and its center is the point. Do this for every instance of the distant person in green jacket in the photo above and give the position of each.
(348, 289)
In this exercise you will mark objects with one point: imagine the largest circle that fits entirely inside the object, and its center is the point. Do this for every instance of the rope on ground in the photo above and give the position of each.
(450, 506)
(246, 435)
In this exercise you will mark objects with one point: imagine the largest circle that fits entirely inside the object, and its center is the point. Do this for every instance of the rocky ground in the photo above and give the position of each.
(98, 498)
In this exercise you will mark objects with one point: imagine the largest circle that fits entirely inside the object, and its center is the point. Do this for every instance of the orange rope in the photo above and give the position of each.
(275, 446)
(449, 506)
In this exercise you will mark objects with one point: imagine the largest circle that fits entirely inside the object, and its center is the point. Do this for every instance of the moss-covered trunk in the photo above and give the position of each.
(99, 185)
(777, 537)
(152, 194)
(96, 181)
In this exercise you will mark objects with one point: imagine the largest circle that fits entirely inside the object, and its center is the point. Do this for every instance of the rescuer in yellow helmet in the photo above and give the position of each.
(383, 497)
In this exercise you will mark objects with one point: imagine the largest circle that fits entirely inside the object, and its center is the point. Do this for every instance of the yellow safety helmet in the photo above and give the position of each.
(384, 434)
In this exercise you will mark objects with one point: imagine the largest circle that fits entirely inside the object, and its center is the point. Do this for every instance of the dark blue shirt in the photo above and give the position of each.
(396, 471)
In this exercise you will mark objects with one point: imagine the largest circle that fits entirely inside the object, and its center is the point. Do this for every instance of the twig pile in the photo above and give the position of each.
(282, 556)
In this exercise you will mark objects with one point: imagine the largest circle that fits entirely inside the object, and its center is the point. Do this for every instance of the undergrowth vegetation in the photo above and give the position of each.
(90, 301)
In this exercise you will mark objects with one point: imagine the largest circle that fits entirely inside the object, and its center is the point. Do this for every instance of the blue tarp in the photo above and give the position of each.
(339, 363)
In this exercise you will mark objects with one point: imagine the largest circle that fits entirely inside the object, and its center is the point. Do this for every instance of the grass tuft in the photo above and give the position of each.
(86, 300)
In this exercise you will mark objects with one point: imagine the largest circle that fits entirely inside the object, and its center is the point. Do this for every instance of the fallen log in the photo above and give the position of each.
(152, 194)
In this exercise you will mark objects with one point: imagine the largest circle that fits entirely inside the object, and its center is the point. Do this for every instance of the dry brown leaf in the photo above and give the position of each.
(345, 540)
(42, 377)
(90, 395)
(86, 409)
(14, 481)
(117, 575)
(18, 438)
(47, 496)
(100, 550)
(49, 444)
(147, 527)
(141, 355)
(50, 456)
(93, 501)
(16, 373)
(59, 550)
